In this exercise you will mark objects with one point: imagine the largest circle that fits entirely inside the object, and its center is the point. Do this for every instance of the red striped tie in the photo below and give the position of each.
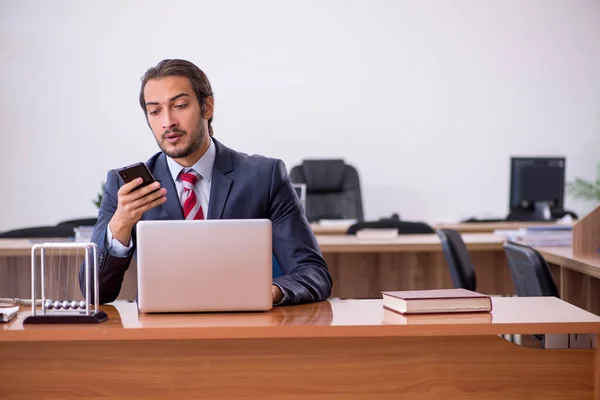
(192, 209)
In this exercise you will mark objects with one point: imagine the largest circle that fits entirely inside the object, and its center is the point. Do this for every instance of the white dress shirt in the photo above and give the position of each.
(204, 167)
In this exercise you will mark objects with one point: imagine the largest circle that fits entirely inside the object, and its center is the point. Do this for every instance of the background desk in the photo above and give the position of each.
(577, 277)
(329, 350)
(62, 274)
(490, 227)
(463, 227)
(360, 268)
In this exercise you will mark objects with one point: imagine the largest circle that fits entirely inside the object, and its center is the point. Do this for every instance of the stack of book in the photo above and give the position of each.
(436, 301)
(541, 236)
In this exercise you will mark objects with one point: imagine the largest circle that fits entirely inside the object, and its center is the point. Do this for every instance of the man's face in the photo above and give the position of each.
(175, 116)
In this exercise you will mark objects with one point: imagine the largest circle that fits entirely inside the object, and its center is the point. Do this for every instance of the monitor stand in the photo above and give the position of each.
(542, 211)
(538, 211)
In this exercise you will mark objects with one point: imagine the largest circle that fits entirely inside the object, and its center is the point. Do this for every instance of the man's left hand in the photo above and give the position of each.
(277, 294)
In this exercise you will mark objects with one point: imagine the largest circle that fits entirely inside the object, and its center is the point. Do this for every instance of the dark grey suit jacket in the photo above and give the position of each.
(242, 186)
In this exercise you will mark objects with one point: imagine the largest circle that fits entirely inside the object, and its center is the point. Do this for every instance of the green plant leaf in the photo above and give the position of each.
(583, 189)
(580, 188)
(98, 200)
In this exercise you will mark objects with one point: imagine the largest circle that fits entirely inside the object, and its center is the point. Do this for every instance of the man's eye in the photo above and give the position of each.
(153, 112)
(181, 105)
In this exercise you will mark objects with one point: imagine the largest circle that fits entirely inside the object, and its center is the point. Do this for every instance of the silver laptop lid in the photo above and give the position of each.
(205, 265)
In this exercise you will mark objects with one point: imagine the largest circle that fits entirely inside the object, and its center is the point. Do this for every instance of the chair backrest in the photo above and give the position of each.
(332, 189)
(39, 232)
(79, 222)
(403, 227)
(458, 259)
(530, 272)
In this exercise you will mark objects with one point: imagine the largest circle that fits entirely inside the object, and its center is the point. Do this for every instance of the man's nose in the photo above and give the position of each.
(169, 122)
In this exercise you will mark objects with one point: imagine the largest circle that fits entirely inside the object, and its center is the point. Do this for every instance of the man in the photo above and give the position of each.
(198, 177)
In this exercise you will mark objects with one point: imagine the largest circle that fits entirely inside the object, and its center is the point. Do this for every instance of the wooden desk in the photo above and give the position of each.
(362, 268)
(328, 350)
(404, 243)
(577, 277)
(62, 280)
(330, 229)
(462, 227)
(490, 227)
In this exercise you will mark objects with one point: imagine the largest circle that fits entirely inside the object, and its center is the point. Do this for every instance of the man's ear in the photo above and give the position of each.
(210, 107)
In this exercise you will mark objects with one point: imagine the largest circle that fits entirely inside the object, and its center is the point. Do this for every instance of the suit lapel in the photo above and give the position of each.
(221, 183)
(161, 173)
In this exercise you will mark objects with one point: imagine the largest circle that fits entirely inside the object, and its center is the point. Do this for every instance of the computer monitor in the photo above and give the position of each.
(537, 184)
(300, 189)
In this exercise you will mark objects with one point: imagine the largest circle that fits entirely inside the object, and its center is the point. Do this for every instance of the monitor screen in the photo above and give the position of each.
(537, 179)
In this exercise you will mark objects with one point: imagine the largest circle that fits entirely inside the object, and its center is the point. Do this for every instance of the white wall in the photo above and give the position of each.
(428, 99)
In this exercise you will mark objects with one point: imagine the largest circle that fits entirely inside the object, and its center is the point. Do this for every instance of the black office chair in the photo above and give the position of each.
(530, 272)
(403, 227)
(79, 222)
(39, 232)
(458, 259)
(332, 189)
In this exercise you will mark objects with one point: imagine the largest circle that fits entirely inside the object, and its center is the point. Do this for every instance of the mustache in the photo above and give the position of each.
(170, 131)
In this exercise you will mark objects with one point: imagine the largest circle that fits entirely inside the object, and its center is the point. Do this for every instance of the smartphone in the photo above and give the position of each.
(135, 171)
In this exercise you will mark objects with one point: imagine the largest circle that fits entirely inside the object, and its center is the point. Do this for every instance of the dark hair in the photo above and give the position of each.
(198, 79)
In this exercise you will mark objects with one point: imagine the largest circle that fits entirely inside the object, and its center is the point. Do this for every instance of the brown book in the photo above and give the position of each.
(395, 318)
(436, 301)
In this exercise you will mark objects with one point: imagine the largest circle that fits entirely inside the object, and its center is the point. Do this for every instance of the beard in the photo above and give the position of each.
(198, 138)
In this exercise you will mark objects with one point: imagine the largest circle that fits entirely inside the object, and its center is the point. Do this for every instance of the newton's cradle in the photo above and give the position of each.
(65, 311)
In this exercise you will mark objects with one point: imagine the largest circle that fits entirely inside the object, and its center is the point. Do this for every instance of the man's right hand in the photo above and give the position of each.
(132, 204)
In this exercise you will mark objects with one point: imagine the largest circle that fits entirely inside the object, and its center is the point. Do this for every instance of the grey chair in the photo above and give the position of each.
(79, 222)
(332, 189)
(458, 259)
(403, 227)
(39, 232)
(530, 272)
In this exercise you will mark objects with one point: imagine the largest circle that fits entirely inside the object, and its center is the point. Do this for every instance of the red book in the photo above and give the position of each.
(436, 301)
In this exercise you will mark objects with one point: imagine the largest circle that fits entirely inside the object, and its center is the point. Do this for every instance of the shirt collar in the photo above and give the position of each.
(204, 166)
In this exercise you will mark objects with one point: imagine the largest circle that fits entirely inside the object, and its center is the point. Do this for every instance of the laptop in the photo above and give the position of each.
(204, 266)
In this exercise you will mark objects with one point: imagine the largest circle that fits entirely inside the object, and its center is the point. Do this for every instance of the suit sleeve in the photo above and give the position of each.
(111, 268)
(305, 276)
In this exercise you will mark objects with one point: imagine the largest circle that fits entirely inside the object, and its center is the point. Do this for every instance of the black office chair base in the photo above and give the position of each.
(57, 318)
